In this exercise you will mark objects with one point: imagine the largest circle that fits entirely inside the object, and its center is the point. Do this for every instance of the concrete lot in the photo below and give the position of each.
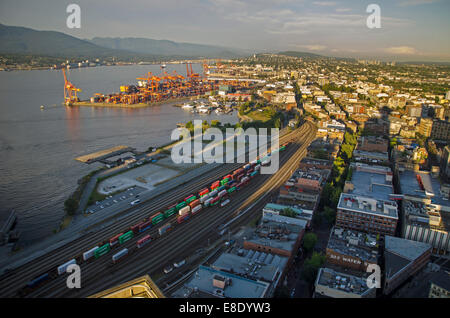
(145, 176)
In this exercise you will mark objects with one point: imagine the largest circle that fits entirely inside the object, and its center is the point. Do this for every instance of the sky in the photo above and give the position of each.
(411, 30)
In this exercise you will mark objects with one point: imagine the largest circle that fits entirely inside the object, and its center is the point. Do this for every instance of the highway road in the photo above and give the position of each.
(98, 274)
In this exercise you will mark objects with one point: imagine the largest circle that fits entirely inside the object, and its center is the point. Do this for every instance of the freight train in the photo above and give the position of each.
(218, 193)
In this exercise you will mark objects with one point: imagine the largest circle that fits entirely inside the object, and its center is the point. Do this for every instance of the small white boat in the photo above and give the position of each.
(187, 106)
(42, 107)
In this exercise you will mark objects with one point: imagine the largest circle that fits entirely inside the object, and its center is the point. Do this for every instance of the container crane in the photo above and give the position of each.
(70, 91)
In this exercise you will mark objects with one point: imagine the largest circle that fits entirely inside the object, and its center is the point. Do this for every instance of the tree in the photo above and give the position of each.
(330, 214)
(311, 267)
(71, 206)
(309, 241)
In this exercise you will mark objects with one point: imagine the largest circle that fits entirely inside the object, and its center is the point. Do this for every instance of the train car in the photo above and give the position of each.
(237, 172)
(180, 205)
(169, 212)
(145, 226)
(254, 173)
(257, 167)
(88, 254)
(184, 210)
(63, 267)
(224, 202)
(249, 171)
(102, 250)
(247, 166)
(254, 163)
(158, 217)
(163, 229)
(222, 193)
(266, 161)
(126, 237)
(214, 201)
(192, 198)
(203, 192)
(231, 190)
(135, 228)
(208, 202)
(194, 203)
(182, 218)
(116, 257)
(38, 281)
(228, 176)
(224, 181)
(196, 209)
(215, 185)
(204, 198)
(221, 188)
(212, 194)
(146, 239)
(245, 180)
(114, 240)
(187, 198)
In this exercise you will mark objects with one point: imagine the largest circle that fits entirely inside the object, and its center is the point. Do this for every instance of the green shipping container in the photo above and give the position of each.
(230, 190)
(126, 237)
(102, 250)
(191, 199)
(170, 212)
(157, 219)
(181, 205)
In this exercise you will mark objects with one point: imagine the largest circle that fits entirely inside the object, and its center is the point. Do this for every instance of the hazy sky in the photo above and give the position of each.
(410, 29)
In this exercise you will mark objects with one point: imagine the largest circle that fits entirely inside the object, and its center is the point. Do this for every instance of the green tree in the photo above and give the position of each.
(311, 267)
(71, 206)
(309, 241)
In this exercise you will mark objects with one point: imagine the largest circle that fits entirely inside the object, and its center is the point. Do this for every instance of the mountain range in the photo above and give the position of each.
(21, 40)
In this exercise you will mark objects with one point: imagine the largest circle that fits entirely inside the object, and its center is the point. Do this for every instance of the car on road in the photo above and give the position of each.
(135, 202)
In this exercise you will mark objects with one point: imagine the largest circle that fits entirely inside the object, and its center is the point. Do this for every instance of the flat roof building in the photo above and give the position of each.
(207, 282)
(402, 259)
(352, 249)
(330, 283)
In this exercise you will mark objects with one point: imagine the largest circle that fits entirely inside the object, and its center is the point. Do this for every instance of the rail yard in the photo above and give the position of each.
(160, 230)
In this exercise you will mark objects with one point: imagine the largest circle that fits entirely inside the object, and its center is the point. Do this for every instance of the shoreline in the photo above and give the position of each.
(139, 105)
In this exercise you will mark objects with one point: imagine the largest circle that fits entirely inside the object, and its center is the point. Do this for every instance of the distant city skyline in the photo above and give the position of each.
(411, 30)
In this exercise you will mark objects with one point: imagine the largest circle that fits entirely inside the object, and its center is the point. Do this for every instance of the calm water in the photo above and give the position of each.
(37, 147)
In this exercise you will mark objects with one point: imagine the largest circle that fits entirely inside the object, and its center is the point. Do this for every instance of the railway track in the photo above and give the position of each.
(14, 280)
(100, 274)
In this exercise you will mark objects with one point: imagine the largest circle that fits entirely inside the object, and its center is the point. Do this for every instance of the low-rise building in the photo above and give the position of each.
(352, 249)
(402, 259)
(330, 283)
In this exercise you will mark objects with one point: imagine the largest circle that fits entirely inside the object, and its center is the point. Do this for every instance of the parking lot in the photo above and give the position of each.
(128, 195)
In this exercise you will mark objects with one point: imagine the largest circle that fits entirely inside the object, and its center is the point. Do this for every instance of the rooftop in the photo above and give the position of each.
(202, 281)
(251, 264)
(400, 252)
(353, 243)
(343, 282)
(141, 287)
(363, 204)
(430, 188)
(372, 181)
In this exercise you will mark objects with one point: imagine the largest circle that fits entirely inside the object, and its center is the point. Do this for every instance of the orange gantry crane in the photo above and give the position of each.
(70, 91)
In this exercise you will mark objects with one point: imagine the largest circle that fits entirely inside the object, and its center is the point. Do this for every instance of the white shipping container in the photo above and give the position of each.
(122, 253)
(63, 267)
(244, 179)
(207, 202)
(225, 202)
(87, 255)
(204, 198)
(184, 210)
(213, 193)
(222, 193)
(257, 167)
(196, 209)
